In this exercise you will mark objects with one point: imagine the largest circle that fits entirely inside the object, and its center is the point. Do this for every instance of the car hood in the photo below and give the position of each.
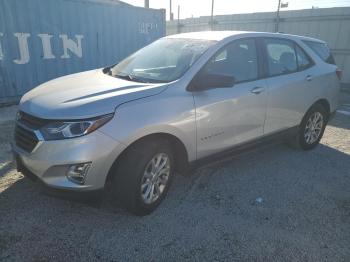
(84, 95)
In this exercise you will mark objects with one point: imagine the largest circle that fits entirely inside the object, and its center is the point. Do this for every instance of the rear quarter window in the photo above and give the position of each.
(322, 50)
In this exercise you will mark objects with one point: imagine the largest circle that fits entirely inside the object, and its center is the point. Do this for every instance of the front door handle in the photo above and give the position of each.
(257, 90)
(308, 77)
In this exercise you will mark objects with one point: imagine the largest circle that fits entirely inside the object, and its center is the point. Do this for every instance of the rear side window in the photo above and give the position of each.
(303, 60)
(281, 58)
(322, 50)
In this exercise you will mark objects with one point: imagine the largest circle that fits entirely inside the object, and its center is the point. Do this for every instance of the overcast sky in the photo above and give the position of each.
(197, 8)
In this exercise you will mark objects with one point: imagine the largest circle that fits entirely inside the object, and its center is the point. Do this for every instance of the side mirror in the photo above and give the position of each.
(205, 81)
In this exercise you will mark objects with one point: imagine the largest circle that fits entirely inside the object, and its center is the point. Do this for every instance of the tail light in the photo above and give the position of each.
(339, 73)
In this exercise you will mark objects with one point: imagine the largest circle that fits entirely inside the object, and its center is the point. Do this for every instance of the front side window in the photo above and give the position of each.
(238, 59)
(164, 60)
(281, 58)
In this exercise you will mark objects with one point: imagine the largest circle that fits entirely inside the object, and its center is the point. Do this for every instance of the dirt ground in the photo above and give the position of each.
(270, 204)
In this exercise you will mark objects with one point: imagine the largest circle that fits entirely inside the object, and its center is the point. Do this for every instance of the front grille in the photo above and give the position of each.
(25, 139)
(31, 121)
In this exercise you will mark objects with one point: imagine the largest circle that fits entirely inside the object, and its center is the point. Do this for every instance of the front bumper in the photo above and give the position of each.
(50, 160)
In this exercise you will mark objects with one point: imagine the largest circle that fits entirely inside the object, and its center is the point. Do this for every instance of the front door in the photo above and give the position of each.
(233, 115)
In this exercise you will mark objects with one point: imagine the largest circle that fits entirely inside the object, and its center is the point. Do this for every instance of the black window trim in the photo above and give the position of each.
(294, 44)
(258, 54)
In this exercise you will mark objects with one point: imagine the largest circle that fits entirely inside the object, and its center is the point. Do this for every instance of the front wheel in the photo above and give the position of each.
(311, 128)
(143, 176)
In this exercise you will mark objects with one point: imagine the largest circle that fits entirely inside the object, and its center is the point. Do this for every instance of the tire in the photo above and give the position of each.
(304, 141)
(135, 168)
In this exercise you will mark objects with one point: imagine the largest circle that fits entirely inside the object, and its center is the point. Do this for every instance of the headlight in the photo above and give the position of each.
(69, 129)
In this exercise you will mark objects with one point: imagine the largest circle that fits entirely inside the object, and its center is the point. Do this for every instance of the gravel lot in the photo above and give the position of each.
(270, 204)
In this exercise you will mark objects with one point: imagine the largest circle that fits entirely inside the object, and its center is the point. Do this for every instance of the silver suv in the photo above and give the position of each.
(183, 98)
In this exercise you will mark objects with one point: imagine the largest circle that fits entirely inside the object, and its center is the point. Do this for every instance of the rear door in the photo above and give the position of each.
(229, 116)
(290, 78)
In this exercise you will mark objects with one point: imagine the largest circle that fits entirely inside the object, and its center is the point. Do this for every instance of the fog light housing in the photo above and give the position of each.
(77, 173)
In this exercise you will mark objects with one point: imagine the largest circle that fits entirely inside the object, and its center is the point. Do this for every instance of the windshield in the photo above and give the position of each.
(162, 61)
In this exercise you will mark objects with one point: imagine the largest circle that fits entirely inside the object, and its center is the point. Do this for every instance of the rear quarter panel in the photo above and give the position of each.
(325, 78)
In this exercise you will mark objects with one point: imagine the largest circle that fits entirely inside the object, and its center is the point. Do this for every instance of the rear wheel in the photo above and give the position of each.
(311, 128)
(143, 175)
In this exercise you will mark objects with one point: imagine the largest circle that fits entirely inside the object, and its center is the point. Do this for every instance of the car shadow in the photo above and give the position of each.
(341, 120)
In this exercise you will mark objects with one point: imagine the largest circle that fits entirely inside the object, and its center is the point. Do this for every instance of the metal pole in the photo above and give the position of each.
(278, 17)
(171, 12)
(212, 15)
(178, 19)
(146, 3)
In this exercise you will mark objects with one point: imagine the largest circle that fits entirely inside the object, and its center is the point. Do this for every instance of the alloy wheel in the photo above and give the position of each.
(155, 178)
(313, 128)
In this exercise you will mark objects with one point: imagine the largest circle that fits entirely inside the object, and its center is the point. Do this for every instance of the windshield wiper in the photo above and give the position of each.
(136, 78)
(132, 78)
(126, 77)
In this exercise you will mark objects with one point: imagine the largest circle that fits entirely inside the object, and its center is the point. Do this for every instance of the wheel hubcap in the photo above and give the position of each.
(155, 178)
(313, 128)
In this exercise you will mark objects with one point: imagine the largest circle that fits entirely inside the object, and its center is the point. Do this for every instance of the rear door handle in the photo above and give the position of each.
(257, 90)
(308, 77)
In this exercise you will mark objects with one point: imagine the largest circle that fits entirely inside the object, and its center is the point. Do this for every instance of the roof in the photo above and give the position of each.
(220, 35)
(209, 35)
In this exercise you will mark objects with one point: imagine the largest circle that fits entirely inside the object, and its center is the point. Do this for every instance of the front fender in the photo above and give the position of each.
(172, 114)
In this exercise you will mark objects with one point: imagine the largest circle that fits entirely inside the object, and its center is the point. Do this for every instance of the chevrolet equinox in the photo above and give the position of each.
(180, 99)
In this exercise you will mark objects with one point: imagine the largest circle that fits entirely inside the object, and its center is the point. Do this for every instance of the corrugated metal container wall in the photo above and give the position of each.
(41, 40)
(329, 24)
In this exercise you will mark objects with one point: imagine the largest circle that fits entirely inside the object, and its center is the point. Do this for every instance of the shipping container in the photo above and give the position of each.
(44, 39)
